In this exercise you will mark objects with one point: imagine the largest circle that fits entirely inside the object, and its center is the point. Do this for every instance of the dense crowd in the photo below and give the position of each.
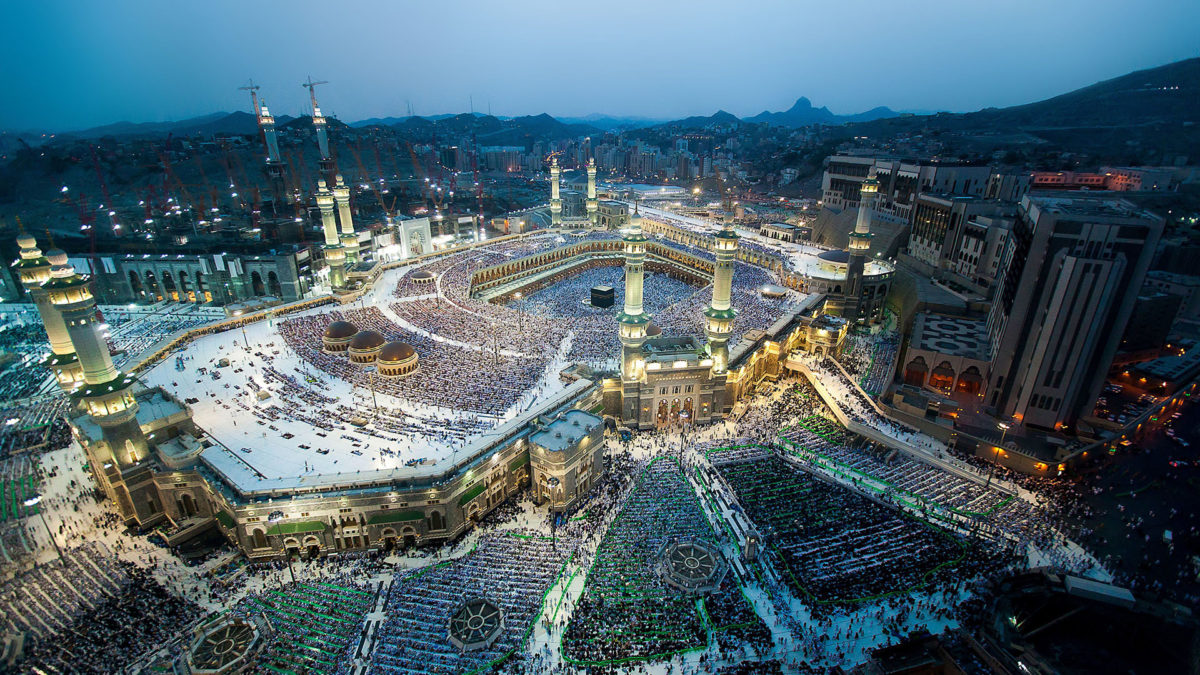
(511, 570)
(627, 610)
(871, 359)
(22, 346)
(88, 611)
(36, 425)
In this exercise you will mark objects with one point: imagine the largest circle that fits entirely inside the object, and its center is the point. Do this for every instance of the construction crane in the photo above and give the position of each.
(475, 173)
(108, 203)
(253, 89)
(387, 209)
(312, 90)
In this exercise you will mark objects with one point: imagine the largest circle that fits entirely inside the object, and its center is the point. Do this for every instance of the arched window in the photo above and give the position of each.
(436, 521)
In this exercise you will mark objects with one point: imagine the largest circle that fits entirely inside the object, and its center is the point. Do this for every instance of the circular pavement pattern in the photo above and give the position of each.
(475, 625)
(692, 565)
(218, 649)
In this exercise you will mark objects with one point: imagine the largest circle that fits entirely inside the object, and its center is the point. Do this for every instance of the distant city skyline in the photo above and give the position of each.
(79, 65)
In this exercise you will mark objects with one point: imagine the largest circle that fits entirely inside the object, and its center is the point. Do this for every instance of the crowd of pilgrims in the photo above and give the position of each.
(856, 405)
(297, 396)
(537, 324)
(22, 345)
(89, 611)
(132, 333)
(871, 359)
(512, 570)
(450, 377)
(34, 425)
(627, 610)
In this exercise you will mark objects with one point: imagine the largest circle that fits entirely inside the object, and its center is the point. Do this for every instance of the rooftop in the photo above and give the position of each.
(568, 429)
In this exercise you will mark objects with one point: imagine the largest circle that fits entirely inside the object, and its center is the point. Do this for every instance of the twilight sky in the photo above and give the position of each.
(72, 64)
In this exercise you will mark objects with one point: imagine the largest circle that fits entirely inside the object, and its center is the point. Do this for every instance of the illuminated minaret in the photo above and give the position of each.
(274, 163)
(633, 318)
(34, 269)
(106, 394)
(335, 257)
(593, 206)
(718, 318)
(327, 168)
(859, 248)
(349, 239)
(555, 199)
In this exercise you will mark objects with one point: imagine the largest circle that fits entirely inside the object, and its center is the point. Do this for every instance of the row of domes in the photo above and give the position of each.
(343, 335)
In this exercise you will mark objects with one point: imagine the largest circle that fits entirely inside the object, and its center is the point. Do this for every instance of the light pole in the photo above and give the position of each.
(33, 501)
(1003, 427)
(520, 317)
(370, 370)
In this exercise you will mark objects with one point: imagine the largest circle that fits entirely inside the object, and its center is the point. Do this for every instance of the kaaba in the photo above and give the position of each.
(602, 296)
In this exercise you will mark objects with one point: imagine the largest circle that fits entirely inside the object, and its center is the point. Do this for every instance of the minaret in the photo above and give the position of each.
(335, 257)
(555, 199)
(106, 394)
(718, 318)
(349, 238)
(34, 269)
(327, 168)
(274, 163)
(325, 163)
(593, 206)
(633, 318)
(859, 248)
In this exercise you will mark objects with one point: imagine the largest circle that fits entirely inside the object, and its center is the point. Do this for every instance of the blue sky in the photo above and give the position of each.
(77, 64)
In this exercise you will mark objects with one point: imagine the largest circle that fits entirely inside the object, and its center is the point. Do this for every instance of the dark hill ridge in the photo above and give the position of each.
(489, 130)
(1146, 116)
(223, 123)
(802, 114)
(1165, 94)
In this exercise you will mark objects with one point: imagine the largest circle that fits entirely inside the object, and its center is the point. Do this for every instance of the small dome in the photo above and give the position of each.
(396, 352)
(653, 330)
(366, 340)
(340, 330)
(422, 275)
(26, 240)
(835, 256)
(57, 257)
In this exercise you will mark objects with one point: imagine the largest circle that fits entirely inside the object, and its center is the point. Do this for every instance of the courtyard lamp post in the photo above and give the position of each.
(33, 501)
(370, 370)
(1003, 427)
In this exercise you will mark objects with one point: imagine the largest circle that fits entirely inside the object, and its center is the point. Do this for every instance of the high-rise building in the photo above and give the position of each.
(1075, 267)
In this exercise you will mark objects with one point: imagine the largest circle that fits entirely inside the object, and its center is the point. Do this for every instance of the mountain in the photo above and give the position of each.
(1166, 93)
(719, 118)
(304, 122)
(230, 123)
(1145, 116)
(488, 130)
(802, 114)
(393, 121)
(610, 123)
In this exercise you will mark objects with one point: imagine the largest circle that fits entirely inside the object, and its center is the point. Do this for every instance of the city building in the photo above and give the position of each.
(1073, 274)
(939, 227)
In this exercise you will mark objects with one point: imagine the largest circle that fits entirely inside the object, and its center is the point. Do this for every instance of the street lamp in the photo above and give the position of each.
(370, 370)
(520, 315)
(1003, 427)
(33, 501)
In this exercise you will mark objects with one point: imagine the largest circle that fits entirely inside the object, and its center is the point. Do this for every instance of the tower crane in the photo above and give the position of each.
(108, 203)
(312, 89)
